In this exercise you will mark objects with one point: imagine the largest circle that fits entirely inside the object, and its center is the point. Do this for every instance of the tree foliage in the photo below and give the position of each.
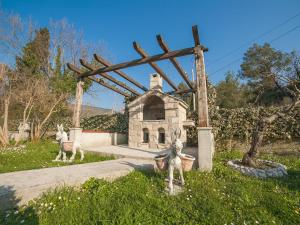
(34, 60)
(231, 93)
(43, 84)
(262, 66)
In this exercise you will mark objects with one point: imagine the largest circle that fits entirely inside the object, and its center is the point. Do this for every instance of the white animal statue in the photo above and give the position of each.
(22, 134)
(174, 160)
(62, 137)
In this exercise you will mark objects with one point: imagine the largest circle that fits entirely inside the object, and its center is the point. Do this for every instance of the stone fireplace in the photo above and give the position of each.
(154, 116)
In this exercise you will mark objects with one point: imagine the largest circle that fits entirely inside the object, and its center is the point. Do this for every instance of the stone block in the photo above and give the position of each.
(75, 134)
(205, 148)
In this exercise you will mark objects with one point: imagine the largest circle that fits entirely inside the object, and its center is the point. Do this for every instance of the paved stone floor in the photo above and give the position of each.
(17, 188)
(125, 151)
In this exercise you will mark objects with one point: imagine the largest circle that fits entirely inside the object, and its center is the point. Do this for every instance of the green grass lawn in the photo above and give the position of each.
(222, 197)
(39, 155)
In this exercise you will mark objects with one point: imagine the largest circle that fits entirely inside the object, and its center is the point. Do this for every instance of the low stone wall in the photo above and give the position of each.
(278, 170)
(91, 138)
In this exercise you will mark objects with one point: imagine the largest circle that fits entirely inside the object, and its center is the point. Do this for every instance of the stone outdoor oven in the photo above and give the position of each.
(154, 115)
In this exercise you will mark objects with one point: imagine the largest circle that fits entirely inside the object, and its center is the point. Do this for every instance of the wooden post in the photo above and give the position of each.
(205, 135)
(201, 88)
(78, 103)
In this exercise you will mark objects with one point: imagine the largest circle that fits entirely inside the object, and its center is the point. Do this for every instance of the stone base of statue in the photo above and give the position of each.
(177, 187)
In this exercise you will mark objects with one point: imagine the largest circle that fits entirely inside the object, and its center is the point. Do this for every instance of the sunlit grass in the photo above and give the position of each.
(38, 155)
(223, 196)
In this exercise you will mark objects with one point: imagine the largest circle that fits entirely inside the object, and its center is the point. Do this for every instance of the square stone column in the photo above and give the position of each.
(206, 148)
(75, 134)
(115, 138)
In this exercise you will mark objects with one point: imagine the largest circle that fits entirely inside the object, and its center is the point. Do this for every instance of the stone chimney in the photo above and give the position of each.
(155, 81)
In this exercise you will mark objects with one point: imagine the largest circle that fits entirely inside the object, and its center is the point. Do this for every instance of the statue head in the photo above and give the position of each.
(25, 127)
(60, 132)
(177, 143)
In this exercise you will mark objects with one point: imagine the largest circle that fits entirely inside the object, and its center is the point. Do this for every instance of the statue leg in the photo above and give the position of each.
(64, 156)
(171, 171)
(82, 154)
(181, 175)
(73, 154)
(58, 156)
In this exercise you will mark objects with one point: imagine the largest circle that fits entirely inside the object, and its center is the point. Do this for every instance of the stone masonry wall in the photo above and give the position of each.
(175, 115)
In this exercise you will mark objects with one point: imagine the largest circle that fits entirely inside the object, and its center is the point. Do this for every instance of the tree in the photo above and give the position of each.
(287, 80)
(34, 60)
(261, 67)
(5, 95)
(15, 32)
(44, 85)
(230, 93)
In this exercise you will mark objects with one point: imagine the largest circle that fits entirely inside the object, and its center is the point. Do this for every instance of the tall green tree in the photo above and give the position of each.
(62, 80)
(34, 60)
(262, 66)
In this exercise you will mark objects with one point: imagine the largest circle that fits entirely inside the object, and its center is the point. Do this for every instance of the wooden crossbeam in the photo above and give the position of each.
(136, 62)
(112, 79)
(104, 62)
(196, 38)
(196, 35)
(99, 81)
(111, 87)
(141, 51)
(166, 49)
(181, 91)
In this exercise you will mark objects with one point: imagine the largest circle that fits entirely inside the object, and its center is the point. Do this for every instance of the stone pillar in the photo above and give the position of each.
(75, 134)
(205, 135)
(205, 148)
(115, 138)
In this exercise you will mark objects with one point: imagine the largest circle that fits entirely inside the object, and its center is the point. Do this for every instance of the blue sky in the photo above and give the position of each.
(224, 26)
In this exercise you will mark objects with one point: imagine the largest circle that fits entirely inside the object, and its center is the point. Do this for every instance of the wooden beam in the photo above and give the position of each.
(121, 73)
(197, 39)
(165, 48)
(112, 79)
(109, 86)
(180, 91)
(200, 81)
(99, 81)
(78, 103)
(136, 62)
(74, 68)
(141, 51)
(196, 35)
(201, 88)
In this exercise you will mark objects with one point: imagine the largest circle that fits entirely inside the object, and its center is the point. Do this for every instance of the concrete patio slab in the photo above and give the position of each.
(123, 151)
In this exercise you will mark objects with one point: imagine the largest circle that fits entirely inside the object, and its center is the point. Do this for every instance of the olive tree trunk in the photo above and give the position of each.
(249, 158)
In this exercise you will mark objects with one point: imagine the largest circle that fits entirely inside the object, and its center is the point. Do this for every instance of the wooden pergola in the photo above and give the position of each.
(121, 88)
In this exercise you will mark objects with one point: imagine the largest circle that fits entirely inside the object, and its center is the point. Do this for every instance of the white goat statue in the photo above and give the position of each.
(175, 161)
(62, 137)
